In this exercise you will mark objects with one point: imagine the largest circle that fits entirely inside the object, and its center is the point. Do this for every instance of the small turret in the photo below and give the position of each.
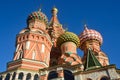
(68, 43)
(55, 29)
(90, 38)
(33, 44)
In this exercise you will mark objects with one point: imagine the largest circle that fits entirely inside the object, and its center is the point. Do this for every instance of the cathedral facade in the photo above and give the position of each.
(46, 51)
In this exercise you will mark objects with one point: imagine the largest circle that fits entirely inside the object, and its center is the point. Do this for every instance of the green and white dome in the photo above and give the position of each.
(37, 15)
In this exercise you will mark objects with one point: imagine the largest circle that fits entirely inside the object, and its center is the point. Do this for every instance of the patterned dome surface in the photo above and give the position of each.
(37, 15)
(90, 34)
(68, 36)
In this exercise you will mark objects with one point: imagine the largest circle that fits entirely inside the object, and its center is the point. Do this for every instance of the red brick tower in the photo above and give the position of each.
(92, 39)
(55, 29)
(68, 43)
(33, 44)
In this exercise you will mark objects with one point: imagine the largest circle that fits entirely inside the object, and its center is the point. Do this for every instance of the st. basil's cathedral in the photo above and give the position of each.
(46, 51)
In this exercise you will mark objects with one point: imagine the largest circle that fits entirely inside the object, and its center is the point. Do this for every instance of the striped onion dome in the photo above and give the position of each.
(37, 15)
(68, 37)
(90, 34)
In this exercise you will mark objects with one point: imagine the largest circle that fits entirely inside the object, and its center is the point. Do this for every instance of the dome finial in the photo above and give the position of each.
(54, 10)
(85, 27)
(40, 8)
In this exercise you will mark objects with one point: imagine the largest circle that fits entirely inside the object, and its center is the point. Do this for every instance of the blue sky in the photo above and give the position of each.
(101, 15)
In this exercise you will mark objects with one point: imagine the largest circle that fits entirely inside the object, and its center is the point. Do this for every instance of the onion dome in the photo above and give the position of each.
(37, 15)
(68, 37)
(90, 34)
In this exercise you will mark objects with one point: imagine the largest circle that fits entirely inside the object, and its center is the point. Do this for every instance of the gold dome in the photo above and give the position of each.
(55, 9)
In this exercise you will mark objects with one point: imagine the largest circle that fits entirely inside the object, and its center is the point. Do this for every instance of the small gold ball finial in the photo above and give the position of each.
(54, 10)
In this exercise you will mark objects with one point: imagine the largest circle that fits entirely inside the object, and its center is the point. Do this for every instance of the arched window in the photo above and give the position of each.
(88, 79)
(68, 75)
(0, 77)
(7, 76)
(20, 77)
(36, 77)
(104, 78)
(28, 76)
(52, 75)
(13, 77)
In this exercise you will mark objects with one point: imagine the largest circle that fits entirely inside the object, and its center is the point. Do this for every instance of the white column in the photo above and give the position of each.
(11, 75)
(16, 77)
(32, 77)
(24, 77)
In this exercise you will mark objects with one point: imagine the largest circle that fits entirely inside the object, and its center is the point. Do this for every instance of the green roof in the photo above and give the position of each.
(91, 61)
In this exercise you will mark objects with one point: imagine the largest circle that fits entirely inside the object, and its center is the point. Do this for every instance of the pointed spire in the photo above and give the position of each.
(54, 19)
(91, 61)
(85, 27)
(54, 11)
(40, 8)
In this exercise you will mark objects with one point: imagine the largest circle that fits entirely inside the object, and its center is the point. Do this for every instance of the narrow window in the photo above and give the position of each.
(20, 77)
(68, 75)
(7, 76)
(52, 75)
(28, 76)
(13, 77)
(36, 77)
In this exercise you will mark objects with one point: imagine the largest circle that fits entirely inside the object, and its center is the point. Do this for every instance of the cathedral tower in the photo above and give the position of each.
(68, 43)
(55, 29)
(33, 44)
(92, 39)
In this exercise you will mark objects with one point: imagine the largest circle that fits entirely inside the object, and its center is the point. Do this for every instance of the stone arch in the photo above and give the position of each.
(20, 77)
(7, 76)
(28, 77)
(52, 75)
(88, 79)
(36, 77)
(68, 75)
(27, 36)
(13, 76)
(104, 78)
(32, 36)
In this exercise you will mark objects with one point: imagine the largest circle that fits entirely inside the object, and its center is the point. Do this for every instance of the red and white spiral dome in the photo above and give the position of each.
(90, 34)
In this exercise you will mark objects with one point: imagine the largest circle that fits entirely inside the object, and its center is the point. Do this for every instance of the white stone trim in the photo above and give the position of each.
(42, 48)
(27, 45)
(33, 55)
